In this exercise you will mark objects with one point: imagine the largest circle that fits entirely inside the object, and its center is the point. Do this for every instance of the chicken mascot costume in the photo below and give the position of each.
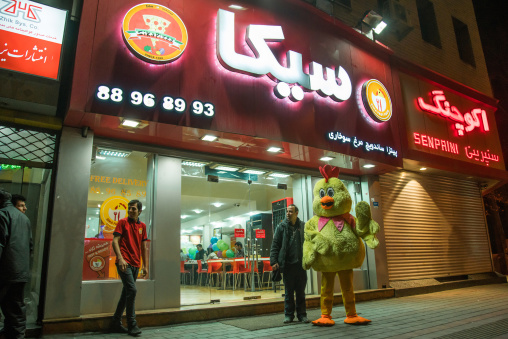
(333, 242)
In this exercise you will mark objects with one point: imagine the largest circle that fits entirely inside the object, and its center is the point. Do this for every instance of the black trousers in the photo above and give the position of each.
(128, 298)
(13, 307)
(295, 280)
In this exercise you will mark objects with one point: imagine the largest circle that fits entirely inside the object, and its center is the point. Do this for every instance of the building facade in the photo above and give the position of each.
(177, 103)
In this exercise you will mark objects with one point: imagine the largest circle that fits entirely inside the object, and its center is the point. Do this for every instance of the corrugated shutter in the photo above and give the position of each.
(434, 226)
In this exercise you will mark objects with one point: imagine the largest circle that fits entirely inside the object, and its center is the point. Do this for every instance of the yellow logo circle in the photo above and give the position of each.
(376, 100)
(154, 32)
(112, 210)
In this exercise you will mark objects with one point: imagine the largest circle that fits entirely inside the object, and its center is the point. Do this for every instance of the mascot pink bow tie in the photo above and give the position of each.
(338, 221)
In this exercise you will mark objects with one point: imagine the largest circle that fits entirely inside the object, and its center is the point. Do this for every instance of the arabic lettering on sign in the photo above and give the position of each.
(337, 84)
(482, 156)
(466, 122)
(33, 55)
(338, 136)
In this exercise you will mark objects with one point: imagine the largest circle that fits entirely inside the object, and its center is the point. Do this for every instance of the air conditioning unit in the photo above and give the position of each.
(397, 17)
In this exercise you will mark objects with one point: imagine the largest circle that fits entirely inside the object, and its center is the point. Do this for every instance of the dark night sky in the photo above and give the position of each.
(492, 19)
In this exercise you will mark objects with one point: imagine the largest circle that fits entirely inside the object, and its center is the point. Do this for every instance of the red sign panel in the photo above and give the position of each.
(445, 123)
(31, 37)
(96, 259)
(260, 234)
(239, 233)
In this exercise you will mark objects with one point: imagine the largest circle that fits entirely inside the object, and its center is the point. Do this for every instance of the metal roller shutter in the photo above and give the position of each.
(434, 226)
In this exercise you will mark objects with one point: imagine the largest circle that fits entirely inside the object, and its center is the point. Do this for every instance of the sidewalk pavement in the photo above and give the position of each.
(473, 312)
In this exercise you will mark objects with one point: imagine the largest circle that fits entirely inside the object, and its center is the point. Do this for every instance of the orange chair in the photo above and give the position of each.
(183, 272)
(201, 271)
(267, 268)
(234, 272)
(214, 267)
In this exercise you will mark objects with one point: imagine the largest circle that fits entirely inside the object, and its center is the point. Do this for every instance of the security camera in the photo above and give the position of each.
(237, 205)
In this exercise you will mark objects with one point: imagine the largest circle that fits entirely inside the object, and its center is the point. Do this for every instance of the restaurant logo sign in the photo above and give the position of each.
(112, 210)
(376, 100)
(154, 33)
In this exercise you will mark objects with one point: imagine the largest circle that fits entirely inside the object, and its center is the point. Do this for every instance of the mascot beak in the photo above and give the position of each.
(327, 202)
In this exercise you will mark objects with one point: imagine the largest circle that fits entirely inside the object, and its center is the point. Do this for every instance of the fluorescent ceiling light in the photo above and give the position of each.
(183, 216)
(197, 227)
(217, 204)
(326, 158)
(227, 168)
(279, 175)
(197, 211)
(193, 163)
(130, 123)
(368, 166)
(274, 149)
(236, 7)
(209, 137)
(112, 153)
(249, 171)
(423, 168)
(99, 157)
(379, 28)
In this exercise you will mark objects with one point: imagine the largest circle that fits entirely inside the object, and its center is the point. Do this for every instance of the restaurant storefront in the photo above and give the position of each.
(177, 103)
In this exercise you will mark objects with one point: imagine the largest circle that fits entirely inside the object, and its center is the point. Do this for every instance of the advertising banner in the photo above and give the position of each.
(31, 37)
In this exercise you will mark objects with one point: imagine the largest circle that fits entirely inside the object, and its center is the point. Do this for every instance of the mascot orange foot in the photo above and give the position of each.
(325, 320)
(356, 320)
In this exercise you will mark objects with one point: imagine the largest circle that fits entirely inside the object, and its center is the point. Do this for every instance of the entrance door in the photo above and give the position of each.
(223, 205)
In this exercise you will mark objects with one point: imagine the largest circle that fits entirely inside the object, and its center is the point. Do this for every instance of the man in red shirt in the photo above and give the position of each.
(129, 243)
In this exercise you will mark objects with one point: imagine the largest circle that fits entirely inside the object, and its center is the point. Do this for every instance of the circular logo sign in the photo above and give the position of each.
(112, 210)
(376, 100)
(97, 263)
(154, 33)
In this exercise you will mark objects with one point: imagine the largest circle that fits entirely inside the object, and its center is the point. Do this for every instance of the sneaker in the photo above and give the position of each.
(117, 327)
(288, 319)
(134, 331)
(304, 320)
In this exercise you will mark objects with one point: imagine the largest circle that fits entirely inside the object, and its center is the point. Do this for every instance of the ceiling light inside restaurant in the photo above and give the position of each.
(197, 211)
(368, 166)
(226, 168)
(217, 204)
(423, 168)
(193, 163)
(274, 149)
(236, 7)
(257, 172)
(209, 137)
(279, 175)
(183, 216)
(112, 153)
(130, 123)
(326, 158)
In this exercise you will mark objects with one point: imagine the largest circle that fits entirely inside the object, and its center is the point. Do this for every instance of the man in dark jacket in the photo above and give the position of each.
(15, 248)
(286, 254)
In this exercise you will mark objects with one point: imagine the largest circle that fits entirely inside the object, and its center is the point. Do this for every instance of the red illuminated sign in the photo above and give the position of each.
(260, 234)
(239, 233)
(447, 146)
(466, 122)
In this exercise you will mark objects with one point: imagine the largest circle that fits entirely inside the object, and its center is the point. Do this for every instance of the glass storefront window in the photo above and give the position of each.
(116, 177)
(221, 205)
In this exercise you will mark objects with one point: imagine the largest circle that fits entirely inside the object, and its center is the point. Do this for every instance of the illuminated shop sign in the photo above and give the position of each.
(467, 122)
(31, 37)
(148, 101)
(446, 146)
(357, 143)
(337, 84)
(154, 33)
(9, 167)
(376, 100)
